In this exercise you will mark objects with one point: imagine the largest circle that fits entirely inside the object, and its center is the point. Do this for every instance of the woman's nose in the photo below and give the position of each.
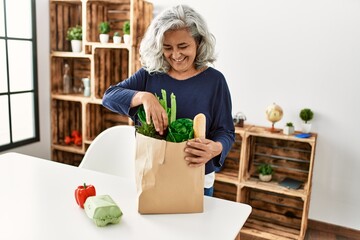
(176, 53)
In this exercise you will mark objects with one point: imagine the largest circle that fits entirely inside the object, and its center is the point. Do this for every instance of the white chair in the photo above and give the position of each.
(113, 152)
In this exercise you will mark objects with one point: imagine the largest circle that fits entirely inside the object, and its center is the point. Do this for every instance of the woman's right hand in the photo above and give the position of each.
(153, 110)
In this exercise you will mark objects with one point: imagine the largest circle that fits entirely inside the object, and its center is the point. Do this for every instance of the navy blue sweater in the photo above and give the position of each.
(205, 93)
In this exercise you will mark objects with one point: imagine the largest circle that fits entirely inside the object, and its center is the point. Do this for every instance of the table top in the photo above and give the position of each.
(37, 202)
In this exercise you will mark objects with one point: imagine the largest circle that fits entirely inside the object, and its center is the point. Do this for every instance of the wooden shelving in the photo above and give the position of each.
(278, 212)
(104, 64)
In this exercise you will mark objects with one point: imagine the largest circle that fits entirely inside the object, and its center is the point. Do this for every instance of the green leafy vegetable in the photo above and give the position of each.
(179, 130)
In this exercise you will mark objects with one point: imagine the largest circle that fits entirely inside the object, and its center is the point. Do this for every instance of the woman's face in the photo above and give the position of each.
(179, 49)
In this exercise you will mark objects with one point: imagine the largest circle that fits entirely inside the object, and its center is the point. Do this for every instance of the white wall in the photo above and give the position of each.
(300, 53)
(41, 149)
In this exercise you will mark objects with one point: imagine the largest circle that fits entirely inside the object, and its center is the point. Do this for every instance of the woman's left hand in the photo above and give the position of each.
(201, 150)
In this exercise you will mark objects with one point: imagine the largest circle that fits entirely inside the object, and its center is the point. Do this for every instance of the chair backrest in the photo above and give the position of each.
(113, 152)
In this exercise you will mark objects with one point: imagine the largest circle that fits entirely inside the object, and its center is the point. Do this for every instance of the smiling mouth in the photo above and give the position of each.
(179, 60)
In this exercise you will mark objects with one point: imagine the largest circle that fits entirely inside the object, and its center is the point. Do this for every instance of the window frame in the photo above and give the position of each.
(8, 93)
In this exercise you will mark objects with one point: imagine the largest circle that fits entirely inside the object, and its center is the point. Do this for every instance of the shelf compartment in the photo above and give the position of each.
(289, 158)
(79, 68)
(63, 15)
(232, 161)
(66, 117)
(67, 157)
(98, 118)
(111, 67)
(225, 190)
(114, 12)
(273, 216)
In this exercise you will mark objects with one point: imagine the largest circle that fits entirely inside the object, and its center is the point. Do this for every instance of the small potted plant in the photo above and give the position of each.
(289, 128)
(104, 29)
(265, 172)
(117, 38)
(306, 115)
(74, 34)
(126, 31)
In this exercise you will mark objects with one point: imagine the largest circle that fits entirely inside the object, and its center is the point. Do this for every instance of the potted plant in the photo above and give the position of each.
(117, 38)
(104, 29)
(126, 31)
(265, 172)
(74, 34)
(306, 115)
(289, 128)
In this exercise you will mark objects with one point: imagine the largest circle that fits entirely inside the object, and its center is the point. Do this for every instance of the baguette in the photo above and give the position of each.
(199, 126)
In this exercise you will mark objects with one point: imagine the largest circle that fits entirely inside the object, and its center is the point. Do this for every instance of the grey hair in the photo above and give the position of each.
(177, 17)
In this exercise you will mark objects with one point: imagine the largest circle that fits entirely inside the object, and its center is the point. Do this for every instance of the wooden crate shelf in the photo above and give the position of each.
(105, 65)
(225, 190)
(99, 118)
(63, 15)
(278, 212)
(113, 12)
(67, 157)
(111, 67)
(79, 68)
(66, 117)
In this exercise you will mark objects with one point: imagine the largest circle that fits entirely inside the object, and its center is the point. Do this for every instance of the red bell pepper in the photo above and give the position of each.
(83, 192)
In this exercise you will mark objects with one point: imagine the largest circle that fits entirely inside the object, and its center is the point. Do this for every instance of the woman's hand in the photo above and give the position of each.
(153, 110)
(201, 150)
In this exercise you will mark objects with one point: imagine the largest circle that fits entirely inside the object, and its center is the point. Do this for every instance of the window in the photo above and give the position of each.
(19, 114)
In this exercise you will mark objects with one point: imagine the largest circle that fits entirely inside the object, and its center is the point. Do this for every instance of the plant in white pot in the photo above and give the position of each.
(289, 128)
(74, 34)
(306, 115)
(104, 29)
(117, 38)
(126, 31)
(265, 172)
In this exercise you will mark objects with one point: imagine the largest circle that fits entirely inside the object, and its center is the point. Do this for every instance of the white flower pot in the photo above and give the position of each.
(306, 127)
(117, 39)
(288, 130)
(265, 178)
(127, 39)
(104, 38)
(76, 45)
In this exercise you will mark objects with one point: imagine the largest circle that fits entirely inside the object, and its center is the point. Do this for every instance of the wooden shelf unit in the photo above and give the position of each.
(105, 65)
(278, 212)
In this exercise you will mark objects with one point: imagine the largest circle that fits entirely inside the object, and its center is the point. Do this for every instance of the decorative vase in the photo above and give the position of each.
(306, 127)
(265, 178)
(76, 45)
(126, 38)
(104, 38)
(117, 39)
(288, 130)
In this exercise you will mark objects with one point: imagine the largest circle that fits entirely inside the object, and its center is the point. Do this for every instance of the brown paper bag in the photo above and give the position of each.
(165, 183)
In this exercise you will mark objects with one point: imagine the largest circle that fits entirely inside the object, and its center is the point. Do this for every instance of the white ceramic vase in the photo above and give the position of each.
(76, 45)
(265, 178)
(306, 127)
(126, 38)
(117, 39)
(104, 38)
(288, 130)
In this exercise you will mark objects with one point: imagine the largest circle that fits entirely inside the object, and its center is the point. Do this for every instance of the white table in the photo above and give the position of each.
(37, 202)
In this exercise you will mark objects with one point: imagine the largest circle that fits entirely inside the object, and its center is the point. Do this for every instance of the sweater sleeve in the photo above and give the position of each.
(222, 129)
(117, 98)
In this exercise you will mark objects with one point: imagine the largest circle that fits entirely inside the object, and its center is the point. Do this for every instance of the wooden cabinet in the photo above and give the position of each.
(104, 64)
(278, 212)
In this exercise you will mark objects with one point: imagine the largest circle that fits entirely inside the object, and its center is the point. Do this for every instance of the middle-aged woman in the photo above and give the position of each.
(176, 52)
